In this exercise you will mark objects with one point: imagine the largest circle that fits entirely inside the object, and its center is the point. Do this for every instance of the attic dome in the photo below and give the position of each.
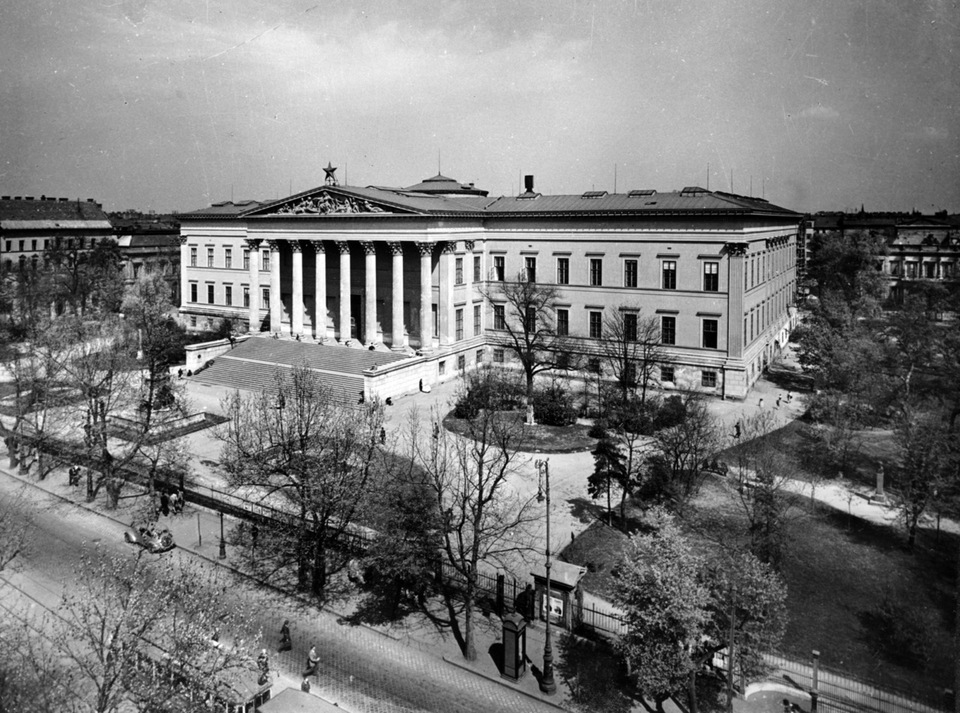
(441, 185)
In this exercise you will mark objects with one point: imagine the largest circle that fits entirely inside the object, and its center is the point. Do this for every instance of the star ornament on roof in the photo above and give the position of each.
(330, 170)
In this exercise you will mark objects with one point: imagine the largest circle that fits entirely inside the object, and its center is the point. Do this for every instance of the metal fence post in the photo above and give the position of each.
(814, 686)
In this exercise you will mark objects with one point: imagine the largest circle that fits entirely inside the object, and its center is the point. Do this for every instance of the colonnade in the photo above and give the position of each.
(370, 334)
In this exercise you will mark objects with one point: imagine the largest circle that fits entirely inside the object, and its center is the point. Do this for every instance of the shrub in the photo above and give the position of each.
(903, 631)
(553, 407)
(487, 389)
(671, 413)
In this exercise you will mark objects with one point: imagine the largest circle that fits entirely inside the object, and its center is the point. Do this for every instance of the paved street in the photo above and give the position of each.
(361, 669)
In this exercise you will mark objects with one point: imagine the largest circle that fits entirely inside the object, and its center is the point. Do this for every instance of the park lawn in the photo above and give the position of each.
(837, 571)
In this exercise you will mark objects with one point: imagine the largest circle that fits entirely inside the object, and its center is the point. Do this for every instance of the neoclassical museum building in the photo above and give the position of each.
(406, 271)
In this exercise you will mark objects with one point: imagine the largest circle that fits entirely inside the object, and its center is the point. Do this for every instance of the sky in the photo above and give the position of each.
(175, 104)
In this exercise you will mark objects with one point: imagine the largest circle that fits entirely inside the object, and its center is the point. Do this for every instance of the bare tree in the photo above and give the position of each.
(469, 478)
(15, 528)
(631, 346)
(300, 444)
(525, 311)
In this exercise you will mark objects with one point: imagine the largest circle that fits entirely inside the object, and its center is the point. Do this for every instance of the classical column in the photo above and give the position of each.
(396, 301)
(370, 292)
(445, 307)
(253, 269)
(426, 296)
(344, 248)
(468, 269)
(735, 272)
(296, 316)
(184, 264)
(276, 305)
(320, 292)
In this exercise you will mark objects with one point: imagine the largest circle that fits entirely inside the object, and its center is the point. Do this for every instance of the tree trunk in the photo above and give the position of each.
(469, 647)
(302, 552)
(609, 508)
(319, 562)
(692, 691)
(530, 414)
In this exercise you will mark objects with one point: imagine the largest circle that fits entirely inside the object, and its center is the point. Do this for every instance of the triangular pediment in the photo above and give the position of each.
(327, 201)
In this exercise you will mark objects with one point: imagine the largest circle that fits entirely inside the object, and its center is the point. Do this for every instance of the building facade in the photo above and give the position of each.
(416, 269)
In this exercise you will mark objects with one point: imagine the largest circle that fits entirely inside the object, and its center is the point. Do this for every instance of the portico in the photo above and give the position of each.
(379, 289)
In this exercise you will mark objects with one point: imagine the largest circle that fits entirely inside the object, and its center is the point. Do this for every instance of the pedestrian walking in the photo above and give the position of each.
(164, 504)
(305, 685)
(173, 503)
(761, 403)
(285, 643)
(778, 403)
(181, 501)
(313, 661)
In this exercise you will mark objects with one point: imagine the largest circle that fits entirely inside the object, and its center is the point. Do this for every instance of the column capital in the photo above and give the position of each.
(369, 247)
(253, 243)
(274, 245)
(295, 246)
(449, 247)
(316, 246)
(182, 239)
(395, 248)
(736, 249)
(343, 246)
(425, 249)
(468, 245)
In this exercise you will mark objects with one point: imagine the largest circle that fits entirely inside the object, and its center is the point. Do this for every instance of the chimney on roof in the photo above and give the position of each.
(528, 183)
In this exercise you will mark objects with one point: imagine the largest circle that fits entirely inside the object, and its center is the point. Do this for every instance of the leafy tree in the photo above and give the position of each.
(685, 448)
(925, 465)
(848, 263)
(913, 344)
(683, 606)
(530, 329)
(469, 479)
(298, 443)
(631, 346)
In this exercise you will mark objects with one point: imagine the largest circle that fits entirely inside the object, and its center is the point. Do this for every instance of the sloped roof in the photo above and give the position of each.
(445, 185)
(45, 213)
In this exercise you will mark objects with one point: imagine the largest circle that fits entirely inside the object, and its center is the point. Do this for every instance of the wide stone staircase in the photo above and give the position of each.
(257, 363)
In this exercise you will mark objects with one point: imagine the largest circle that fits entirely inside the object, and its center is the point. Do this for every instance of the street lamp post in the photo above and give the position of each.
(223, 545)
(547, 684)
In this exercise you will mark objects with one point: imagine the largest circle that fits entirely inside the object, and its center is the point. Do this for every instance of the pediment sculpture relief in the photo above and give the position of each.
(324, 204)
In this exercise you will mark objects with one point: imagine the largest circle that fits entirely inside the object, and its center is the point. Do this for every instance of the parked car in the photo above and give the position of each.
(155, 541)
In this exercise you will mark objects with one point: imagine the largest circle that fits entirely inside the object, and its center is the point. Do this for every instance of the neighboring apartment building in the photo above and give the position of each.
(407, 269)
(149, 244)
(924, 250)
(29, 225)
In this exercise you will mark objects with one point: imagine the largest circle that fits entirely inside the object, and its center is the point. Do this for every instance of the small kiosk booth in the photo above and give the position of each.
(514, 646)
(564, 580)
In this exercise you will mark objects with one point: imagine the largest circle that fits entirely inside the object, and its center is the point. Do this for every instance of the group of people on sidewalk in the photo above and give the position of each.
(169, 503)
(313, 658)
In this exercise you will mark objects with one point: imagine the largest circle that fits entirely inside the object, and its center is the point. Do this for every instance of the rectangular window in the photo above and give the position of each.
(9, 246)
(228, 258)
(630, 327)
(668, 330)
(476, 268)
(210, 294)
(708, 379)
(477, 320)
(596, 271)
(246, 296)
(265, 298)
(530, 266)
(499, 267)
(193, 292)
(499, 317)
(563, 322)
(669, 274)
(563, 271)
(246, 259)
(458, 271)
(498, 356)
(193, 257)
(630, 273)
(709, 334)
(479, 356)
(530, 322)
(33, 244)
(458, 318)
(228, 295)
(666, 374)
(265, 261)
(442, 366)
(461, 363)
(596, 325)
(711, 277)
(209, 257)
